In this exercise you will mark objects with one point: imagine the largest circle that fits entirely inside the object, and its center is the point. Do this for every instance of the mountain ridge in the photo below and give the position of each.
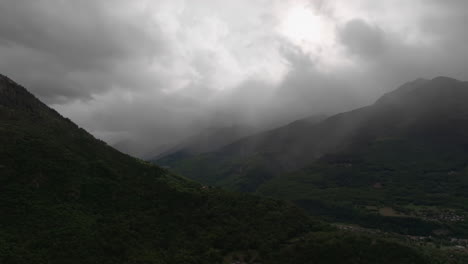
(406, 154)
(67, 197)
(414, 104)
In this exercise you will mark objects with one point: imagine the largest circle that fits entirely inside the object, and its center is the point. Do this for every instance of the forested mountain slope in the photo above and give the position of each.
(435, 110)
(66, 197)
(399, 165)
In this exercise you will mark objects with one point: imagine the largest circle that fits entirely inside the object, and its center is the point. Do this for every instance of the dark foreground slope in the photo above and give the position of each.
(66, 197)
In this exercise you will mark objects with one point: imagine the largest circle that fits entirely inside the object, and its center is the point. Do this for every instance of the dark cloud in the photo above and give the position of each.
(363, 39)
(153, 72)
(64, 49)
(81, 35)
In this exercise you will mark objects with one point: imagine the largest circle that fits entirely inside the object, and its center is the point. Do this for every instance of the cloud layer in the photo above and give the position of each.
(154, 72)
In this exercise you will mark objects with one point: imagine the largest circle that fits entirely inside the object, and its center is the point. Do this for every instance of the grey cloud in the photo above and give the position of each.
(74, 42)
(153, 72)
(363, 39)
(81, 34)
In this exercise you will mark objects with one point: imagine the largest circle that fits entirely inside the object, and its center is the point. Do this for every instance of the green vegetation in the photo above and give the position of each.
(66, 197)
(405, 175)
(237, 174)
(400, 165)
(347, 247)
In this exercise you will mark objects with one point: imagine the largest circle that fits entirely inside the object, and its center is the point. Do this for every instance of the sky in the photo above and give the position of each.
(152, 72)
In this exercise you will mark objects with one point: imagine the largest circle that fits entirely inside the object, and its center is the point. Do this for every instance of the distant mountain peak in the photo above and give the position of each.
(437, 89)
(444, 79)
(415, 108)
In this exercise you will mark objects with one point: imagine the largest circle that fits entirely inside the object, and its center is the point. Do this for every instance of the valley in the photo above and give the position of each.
(399, 165)
(233, 132)
(67, 197)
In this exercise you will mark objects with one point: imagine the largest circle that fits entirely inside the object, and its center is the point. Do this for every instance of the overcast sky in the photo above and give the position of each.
(155, 71)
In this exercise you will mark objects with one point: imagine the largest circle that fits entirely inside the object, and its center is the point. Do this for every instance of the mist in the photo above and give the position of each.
(151, 73)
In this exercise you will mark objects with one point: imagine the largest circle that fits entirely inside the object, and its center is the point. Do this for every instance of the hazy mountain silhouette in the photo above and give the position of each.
(67, 197)
(434, 109)
(206, 141)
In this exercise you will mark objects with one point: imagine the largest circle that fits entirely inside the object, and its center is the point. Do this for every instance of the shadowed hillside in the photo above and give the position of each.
(408, 153)
(420, 108)
(66, 197)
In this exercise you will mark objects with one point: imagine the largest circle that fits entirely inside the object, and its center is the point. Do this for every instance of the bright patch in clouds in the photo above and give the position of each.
(147, 68)
(304, 27)
(315, 34)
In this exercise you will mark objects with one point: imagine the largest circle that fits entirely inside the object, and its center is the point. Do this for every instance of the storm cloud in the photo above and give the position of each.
(154, 72)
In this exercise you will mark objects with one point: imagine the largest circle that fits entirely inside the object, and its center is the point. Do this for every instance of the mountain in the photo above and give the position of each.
(130, 147)
(66, 197)
(298, 144)
(245, 163)
(407, 153)
(211, 139)
(206, 141)
(407, 158)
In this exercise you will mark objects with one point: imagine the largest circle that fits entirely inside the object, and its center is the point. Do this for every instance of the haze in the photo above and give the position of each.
(155, 72)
